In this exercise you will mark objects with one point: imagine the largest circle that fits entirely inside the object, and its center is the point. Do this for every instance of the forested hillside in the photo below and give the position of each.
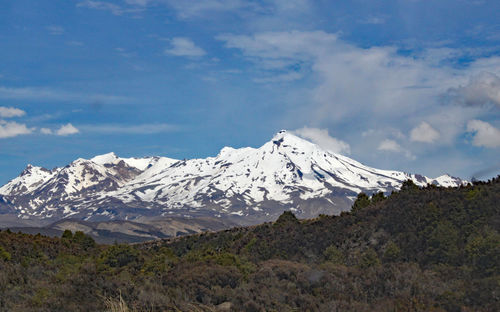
(420, 249)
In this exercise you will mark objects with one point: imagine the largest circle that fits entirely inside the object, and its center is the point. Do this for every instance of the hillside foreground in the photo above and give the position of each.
(420, 249)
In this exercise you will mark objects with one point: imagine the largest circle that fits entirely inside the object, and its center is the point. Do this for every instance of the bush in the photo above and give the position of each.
(67, 234)
(4, 255)
(287, 217)
(334, 255)
(119, 256)
(483, 252)
(361, 202)
(368, 259)
(85, 241)
(392, 252)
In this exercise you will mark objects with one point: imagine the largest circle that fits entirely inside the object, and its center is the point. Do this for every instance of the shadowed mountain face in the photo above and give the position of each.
(246, 185)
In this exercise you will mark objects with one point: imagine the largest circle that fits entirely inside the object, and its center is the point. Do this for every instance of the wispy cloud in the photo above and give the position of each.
(285, 77)
(375, 87)
(130, 129)
(47, 94)
(389, 145)
(189, 9)
(55, 30)
(108, 6)
(123, 52)
(182, 46)
(373, 20)
(138, 2)
(75, 43)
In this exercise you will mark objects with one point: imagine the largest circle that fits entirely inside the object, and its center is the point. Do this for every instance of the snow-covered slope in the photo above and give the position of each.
(253, 183)
(31, 178)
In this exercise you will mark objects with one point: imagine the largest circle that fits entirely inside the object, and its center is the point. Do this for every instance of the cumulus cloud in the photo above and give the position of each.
(484, 134)
(323, 139)
(482, 89)
(182, 46)
(46, 131)
(8, 112)
(424, 133)
(388, 145)
(67, 129)
(394, 85)
(10, 129)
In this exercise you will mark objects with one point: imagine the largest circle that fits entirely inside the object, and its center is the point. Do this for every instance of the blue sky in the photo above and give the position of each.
(408, 85)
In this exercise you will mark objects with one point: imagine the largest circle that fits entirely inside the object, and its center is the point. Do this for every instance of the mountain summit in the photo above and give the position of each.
(248, 185)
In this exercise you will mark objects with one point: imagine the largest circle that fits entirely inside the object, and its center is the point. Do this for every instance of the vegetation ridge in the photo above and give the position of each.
(420, 249)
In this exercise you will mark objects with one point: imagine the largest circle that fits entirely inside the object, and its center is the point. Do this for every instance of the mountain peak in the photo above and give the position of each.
(286, 173)
(105, 158)
(281, 134)
(284, 137)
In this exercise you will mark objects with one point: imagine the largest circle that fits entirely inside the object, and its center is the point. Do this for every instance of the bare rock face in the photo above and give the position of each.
(246, 185)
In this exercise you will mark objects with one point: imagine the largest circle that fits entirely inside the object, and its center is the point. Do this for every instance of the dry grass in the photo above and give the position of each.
(117, 305)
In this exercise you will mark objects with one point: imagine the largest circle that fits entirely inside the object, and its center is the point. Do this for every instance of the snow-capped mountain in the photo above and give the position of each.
(248, 184)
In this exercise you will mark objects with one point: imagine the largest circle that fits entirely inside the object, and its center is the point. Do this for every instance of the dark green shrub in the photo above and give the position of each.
(119, 256)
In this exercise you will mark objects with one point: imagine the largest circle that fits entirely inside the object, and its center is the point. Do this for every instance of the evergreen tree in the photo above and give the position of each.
(361, 202)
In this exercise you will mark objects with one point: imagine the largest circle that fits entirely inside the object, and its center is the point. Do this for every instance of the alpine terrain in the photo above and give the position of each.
(245, 185)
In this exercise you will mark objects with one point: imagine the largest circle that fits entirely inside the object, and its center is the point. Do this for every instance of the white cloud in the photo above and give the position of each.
(323, 139)
(388, 145)
(138, 2)
(46, 131)
(55, 30)
(376, 87)
(8, 112)
(135, 129)
(181, 46)
(484, 134)
(373, 20)
(43, 94)
(189, 9)
(482, 89)
(286, 77)
(287, 47)
(102, 5)
(10, 129)
(67, 129)
(123, 52)
(391, 84)
(75, 43)
(424, 133)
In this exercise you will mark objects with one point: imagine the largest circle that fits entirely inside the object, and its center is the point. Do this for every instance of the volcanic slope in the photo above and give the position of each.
(246, 185)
